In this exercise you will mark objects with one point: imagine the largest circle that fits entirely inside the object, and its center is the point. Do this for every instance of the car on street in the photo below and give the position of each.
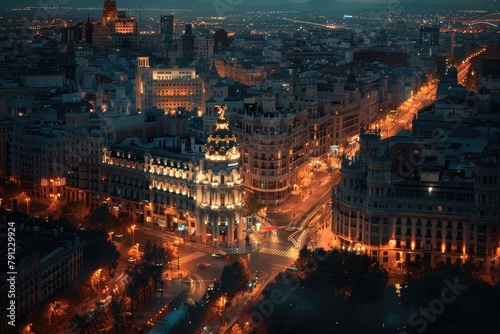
(127, 315)
(219, 255)
(203, 265)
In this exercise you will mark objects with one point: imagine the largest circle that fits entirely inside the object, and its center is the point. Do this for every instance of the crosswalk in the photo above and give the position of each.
(278, 252)
(191, 257)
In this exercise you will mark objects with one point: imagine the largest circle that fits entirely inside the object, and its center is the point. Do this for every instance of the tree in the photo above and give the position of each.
(101, 216)
(305, 262)
(99, 250)
(341, 288)
(9, 190)
(117, 308)
(132, 288)
(73, 212)
(138, 282)
(155, 259)
(96, 280)
(235, 278)
(91, 322)
(466, 304)
(251, 205)
(56, 310)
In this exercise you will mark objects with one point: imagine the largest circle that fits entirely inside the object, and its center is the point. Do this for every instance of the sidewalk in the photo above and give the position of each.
(238, 304)
(158, 305)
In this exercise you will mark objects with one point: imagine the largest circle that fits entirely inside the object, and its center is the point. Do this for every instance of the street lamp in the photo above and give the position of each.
(27, 205)
(27, 329)
(111, 235)
(133, 228)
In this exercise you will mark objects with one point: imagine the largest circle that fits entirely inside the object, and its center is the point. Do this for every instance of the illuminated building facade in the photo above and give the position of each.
(168, 88)
(221, 187)
(179, 184)
(443, 209)
(247, 75)
(115, 30)
(273, 144)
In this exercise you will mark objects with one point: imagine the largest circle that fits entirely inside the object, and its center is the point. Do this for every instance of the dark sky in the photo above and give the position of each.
(267, 4)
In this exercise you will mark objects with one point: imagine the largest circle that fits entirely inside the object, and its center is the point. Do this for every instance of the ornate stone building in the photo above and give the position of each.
(444, 208)
(274, 143)
(220, 187)
(115, 30)
(179, 184)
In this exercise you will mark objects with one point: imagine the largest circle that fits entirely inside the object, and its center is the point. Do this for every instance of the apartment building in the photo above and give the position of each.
(273, 146)
(37, 154)
(408, 199)
(168, 88)
(248, 75)
(47, 261)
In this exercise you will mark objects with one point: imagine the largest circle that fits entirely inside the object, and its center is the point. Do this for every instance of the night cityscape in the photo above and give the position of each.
(249, 167)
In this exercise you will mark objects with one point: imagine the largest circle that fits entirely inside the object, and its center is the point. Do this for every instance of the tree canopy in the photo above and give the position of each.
(349, 294)
(338, 287)
(155, 260)
(235, 278)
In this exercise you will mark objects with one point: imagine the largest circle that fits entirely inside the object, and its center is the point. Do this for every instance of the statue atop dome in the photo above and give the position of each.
(222, 110)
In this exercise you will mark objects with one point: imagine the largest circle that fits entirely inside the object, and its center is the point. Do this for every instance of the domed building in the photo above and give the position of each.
(220, 190)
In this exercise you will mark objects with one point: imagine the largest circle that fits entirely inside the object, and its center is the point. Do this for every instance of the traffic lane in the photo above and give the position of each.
(269, 263)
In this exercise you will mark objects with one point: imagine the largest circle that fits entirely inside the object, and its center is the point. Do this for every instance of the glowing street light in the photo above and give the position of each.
(27, 329)
(133, 228)
(27, 205)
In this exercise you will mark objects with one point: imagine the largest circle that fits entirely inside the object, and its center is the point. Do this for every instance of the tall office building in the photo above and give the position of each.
(188, 44)
(167, 27)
